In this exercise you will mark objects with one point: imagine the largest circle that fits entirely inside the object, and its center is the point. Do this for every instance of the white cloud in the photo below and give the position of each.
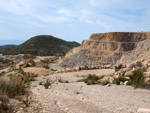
(92, 2)
(85, 16)
(17, 6)
(127, 4)
(34, 24)
(103, 15)
(53, 19)
(88, 21)
(66, 13)
(104, 25)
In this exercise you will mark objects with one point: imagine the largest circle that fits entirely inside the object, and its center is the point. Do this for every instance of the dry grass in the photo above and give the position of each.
(37, 71)
(29, 56)
(16, 85)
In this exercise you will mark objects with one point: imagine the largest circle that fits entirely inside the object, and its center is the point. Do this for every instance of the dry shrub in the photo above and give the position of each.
(29, 56)
(13, 87)
(31, 62)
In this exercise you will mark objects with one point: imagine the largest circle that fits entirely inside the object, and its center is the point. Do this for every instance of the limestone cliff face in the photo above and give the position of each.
(105, 49)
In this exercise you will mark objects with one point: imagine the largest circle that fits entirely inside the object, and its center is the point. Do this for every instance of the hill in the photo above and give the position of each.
(103, 49)
(42, 45)
(6, 46)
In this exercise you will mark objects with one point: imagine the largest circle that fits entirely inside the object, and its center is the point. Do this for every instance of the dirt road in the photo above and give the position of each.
(77, 97)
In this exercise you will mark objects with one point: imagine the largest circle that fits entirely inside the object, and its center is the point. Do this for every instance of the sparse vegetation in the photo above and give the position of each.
(92, 79)
(53, 69)
(117, 68)
(47, 84)
(12, 88)
(28, 56)
(40, 83)
(105, 82)
(121, 79)
(63, 81)
(2, 73)
(27, 101)
(137, 79)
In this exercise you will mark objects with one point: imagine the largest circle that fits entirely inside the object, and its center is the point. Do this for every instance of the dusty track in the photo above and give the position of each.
(77, 97)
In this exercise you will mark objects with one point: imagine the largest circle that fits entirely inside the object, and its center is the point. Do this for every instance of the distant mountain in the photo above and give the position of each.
(42, 45)
(6, 46)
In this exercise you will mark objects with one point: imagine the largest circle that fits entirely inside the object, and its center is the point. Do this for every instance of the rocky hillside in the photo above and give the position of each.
(105, 49)
(43, 45)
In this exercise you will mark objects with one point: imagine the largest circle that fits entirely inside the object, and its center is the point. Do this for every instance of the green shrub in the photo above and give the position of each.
(53, 69)
(137, 78)
(121, 79)
(27, 101)
(105, 82)
(129, 83)
(47, 84)
(117, 68)
(40, 83)
(91, 79)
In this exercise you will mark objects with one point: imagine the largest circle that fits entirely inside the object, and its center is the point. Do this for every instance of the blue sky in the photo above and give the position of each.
(71, 20)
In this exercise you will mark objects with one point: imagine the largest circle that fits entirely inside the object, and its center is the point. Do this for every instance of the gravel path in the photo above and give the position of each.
(77, 97)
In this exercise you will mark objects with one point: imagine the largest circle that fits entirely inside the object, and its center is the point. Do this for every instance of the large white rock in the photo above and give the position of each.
(143, 110)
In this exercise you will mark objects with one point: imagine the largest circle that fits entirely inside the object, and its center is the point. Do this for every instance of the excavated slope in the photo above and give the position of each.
(107, 49)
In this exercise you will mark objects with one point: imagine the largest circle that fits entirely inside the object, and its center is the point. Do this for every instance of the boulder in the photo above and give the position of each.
(121, 83)
(143, 110)
(22, 63)
(76, 68)
(126, 82)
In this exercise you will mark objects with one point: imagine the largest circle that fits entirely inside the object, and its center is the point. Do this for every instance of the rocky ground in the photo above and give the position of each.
(66, 95)
(77, 97)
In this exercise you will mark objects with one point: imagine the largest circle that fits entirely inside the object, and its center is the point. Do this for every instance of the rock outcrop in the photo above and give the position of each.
(105, 49)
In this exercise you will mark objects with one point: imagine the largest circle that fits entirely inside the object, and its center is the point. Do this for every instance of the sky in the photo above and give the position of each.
(70, 20)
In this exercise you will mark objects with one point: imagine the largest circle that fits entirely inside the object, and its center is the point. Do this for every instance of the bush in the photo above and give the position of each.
(27, 101)
(47, 84)
(121, 79)
(137, 78)
(117, 68)
(53, 69)
(29, 56)
(105, 82)
(12, 88)
(40, 83)
(15, 86)
(3, 97)
(92, 79)
(31, 61)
